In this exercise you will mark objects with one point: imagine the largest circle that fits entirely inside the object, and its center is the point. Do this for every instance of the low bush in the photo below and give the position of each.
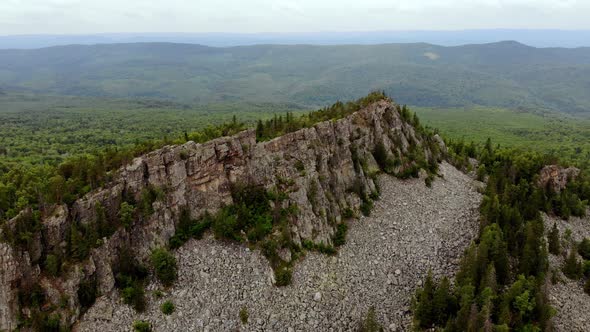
(283, 276)
(244, 315)
(164, 264)
(142, 326)
(340, 235)
(167, 308)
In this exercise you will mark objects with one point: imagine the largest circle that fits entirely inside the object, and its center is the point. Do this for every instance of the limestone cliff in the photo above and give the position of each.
(323, 170)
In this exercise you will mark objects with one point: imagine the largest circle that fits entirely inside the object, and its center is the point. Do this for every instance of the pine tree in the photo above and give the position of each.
(425, 309)
(444, 302)
(572, 267)
(553, 238)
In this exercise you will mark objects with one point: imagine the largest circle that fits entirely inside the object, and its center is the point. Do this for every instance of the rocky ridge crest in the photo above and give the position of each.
(337, 162)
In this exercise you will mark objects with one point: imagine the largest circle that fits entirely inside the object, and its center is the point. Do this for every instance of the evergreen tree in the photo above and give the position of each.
(553, 238)
(584, 248)
(424, 312)
(443, 303)
(572, 268)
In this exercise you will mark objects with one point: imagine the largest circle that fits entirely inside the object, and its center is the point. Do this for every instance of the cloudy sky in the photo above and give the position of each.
(97, 16)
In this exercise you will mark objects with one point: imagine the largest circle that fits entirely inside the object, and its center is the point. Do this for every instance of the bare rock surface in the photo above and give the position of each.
(412, 229)
(568, 296)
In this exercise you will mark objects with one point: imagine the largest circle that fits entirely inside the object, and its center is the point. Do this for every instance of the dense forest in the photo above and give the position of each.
(503, 74)
(501, 284)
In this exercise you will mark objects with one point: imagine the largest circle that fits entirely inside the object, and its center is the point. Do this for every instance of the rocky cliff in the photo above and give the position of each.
(324, 171)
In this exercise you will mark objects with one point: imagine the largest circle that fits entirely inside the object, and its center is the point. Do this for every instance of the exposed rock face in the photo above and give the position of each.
(15, 270)
(557, 177)
(412, 229)
(337, 161)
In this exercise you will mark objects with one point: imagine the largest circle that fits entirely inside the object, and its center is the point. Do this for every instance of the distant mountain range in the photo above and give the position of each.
(504, 74)
(537, 38)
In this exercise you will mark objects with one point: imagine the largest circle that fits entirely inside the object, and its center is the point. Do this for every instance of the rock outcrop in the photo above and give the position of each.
(557, 177)
(411, 230)
(332, 159)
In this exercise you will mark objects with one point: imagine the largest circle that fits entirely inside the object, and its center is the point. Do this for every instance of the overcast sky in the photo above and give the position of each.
(97, 16)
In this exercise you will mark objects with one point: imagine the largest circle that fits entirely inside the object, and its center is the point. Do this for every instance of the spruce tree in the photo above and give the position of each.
(553, 238)
(572, 267)
(424, 312)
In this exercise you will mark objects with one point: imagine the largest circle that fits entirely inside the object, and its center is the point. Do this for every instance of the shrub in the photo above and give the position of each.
(553, 239)
(142, 326)
(130, 279)
(149, 195)
(226, 226)
(584, 248)
(134, 296)
(586, 268)
(126, 213)
(283, 276)
(244, 315)
(299, 166)
(382, 158)
(428, 181)
(164, 264)
(340, 235)
(87, 292)
(370, 324)
(167, 307)
(52, 265)
(347, 213)
(366, 206)
(587, 287)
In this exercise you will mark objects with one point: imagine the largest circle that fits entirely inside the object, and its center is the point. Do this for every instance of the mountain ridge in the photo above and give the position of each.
(500, 75)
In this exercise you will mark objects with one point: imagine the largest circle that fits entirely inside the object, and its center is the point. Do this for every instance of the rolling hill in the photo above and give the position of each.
(504, 74)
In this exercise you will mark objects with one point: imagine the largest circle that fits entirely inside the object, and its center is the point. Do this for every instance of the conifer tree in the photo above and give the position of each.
(553, 237)
(572, 267)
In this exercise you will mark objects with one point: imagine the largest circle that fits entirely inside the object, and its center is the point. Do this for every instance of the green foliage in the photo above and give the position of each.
(21, 233)
(584, 248)
(510, 253)
(553, 239)
(189, 228)
(87, 293)
(277, 126)
(347, 213)
(164, 264)
(339, 237)
(52, 265)
(586, 268)
(370, 323)
(130, 278)
(572, 268)
(126, 214)
(149, 195)
(366, 206)
(134, 295)
(31, 296)
(283, 276)
(382, 158)
(142, 326)
(547, 133)
(299, 166)
(587, 287)
(434, 303)
(244, 315)
(167, 308)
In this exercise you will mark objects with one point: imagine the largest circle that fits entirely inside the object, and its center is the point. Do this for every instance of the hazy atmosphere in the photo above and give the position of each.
(295, 165)
(98, 16)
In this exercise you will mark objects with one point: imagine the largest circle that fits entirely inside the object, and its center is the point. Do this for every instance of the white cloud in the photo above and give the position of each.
(78, 16)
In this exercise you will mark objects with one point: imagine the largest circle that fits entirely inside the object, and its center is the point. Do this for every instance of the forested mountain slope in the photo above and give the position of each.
(506, 74)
